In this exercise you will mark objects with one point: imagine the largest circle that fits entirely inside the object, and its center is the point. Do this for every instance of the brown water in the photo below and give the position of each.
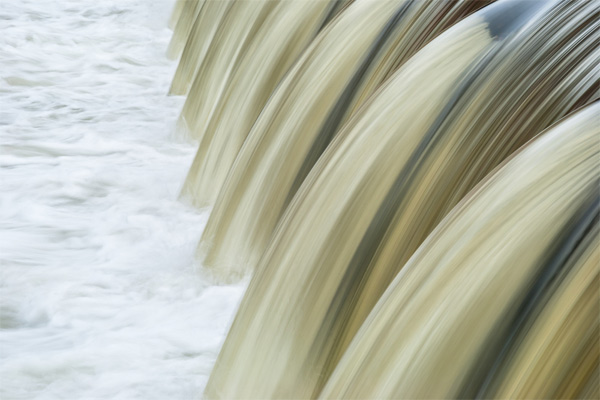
(344, 65)
(369, 165)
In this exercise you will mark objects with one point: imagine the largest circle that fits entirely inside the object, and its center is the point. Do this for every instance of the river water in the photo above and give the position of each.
(100, 297)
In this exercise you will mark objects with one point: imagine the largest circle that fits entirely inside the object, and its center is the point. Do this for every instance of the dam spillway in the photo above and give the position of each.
(275, 199)
(388, 119)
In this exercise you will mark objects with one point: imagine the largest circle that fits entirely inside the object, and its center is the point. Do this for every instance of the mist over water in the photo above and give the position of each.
(99, 294)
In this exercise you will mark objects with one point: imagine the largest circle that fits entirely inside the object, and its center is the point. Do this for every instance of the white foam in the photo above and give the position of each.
(99, 295)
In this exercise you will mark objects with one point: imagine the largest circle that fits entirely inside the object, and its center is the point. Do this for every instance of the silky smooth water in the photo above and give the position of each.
(99, 294)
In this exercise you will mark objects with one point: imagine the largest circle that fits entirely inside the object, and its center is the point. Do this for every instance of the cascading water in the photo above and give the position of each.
(185, 13)
(232, 40)
(395, 170)
(285, 33)
(344, 65)
(450, 310)
(292, 363)
(201, 34)
(413, 187)
(371, 139)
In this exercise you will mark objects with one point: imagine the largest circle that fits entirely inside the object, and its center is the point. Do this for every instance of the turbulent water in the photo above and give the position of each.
(99, 295)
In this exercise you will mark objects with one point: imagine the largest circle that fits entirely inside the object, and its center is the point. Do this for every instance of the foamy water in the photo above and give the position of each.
(100, 297)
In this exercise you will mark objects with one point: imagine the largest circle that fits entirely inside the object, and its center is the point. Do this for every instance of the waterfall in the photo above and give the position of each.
(285, 33)
(413, 187)
(304, 115)
(201, 34)
(233, 37)
(456, 297)
(185, 13)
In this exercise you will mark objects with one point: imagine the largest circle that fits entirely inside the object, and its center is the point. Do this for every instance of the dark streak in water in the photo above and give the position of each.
(584, 222)
(360, 264)
(339, 110)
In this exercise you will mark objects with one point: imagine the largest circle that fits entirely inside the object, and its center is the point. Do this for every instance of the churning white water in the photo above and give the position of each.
(100, 298)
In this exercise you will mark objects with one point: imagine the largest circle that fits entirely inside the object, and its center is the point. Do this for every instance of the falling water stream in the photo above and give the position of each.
(407, 188)
(99, 294)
